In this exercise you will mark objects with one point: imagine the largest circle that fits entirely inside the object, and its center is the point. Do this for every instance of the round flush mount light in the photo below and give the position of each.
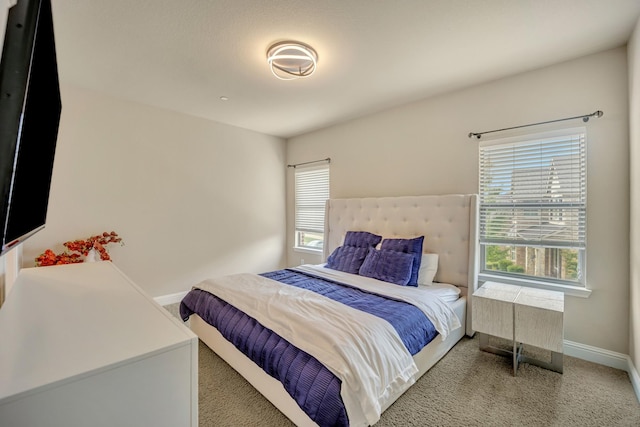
(291, 60)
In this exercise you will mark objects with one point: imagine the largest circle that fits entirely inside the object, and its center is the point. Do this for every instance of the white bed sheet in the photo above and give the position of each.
(445, 291)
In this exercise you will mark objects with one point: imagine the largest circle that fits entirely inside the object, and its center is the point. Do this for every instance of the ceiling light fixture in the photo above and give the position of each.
(291, 60)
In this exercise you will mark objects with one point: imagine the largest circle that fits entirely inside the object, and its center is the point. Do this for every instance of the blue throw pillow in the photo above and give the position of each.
(410, 246)
(389, 266)
(361, 239)
(347, 258)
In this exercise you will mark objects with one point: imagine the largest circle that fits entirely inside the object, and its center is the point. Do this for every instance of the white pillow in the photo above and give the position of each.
(428, 269)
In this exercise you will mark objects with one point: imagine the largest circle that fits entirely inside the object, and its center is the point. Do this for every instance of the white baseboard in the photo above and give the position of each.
(170, 299)
(606, 358)
(596, 355)
(634, 377)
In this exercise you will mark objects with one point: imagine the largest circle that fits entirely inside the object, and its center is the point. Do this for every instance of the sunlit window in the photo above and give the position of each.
(533, 206)
(311, 194)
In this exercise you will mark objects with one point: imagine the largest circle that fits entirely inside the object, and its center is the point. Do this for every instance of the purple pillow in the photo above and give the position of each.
(389, 266)
(361, 239)
(410, 246)
(347, 259)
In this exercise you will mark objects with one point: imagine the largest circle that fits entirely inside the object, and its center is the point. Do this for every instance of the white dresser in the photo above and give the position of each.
(82, 345)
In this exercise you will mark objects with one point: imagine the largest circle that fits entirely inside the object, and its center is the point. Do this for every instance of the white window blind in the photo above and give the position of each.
(311, 193)
(533, 191)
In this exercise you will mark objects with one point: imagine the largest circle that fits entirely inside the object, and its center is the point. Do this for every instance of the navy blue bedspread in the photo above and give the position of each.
(310, 384)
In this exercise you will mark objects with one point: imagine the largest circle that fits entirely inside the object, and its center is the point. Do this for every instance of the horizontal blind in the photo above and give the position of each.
(533, 192)
(311, 193)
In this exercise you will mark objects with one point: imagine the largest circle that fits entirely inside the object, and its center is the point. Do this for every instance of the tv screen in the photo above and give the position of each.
(30, 109)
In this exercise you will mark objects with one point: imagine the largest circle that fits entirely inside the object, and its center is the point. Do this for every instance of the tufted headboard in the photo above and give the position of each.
(448, 222)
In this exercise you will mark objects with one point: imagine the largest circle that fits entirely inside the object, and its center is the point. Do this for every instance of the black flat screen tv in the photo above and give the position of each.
(30, 108)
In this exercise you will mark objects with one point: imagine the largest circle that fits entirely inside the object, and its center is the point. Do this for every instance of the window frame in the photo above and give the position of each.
(317, 202)
(578, 286)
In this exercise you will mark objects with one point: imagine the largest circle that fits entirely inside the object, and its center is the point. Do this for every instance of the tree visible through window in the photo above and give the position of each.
(533, 206)
(311, 194)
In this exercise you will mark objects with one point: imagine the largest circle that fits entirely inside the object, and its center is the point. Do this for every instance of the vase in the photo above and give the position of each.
(92, 256)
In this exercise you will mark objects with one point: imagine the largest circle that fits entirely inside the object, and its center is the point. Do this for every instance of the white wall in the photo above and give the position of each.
(634, 128)
(191, 198)
(423, 148)
(4, 11)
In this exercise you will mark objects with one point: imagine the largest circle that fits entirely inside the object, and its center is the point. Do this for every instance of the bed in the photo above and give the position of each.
(367, 383)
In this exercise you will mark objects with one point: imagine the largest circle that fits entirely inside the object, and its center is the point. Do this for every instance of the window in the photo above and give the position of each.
(311, 194)
(533, 207)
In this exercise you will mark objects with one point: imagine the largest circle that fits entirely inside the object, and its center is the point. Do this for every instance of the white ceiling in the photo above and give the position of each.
(183, 55)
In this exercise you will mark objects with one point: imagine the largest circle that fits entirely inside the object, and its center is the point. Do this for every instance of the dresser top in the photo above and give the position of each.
(68, 321)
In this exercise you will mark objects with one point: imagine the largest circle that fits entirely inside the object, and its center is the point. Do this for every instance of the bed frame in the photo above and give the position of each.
(450, 226)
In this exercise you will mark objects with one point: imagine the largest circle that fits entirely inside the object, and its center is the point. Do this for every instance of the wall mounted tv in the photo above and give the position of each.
(30, 109)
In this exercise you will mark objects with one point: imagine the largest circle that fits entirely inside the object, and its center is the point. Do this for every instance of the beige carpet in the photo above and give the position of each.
(467, 387)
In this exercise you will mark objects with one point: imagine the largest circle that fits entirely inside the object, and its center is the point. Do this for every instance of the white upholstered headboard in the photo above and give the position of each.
(449, 223)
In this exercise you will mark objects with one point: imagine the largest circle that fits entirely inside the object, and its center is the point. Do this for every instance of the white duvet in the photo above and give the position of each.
(362, 350)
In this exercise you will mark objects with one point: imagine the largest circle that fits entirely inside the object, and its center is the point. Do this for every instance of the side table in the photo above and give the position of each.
(522, 315)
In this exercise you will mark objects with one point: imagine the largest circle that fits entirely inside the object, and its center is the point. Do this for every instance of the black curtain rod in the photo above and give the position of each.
(328, 160)
(585, 118)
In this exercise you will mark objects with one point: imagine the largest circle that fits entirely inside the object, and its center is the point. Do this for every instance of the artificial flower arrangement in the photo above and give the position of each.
(80, 249)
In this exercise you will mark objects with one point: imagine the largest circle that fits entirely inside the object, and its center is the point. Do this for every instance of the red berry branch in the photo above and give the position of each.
(78, 249)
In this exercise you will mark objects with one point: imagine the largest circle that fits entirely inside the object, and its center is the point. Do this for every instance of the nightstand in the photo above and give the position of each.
(522, 315)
